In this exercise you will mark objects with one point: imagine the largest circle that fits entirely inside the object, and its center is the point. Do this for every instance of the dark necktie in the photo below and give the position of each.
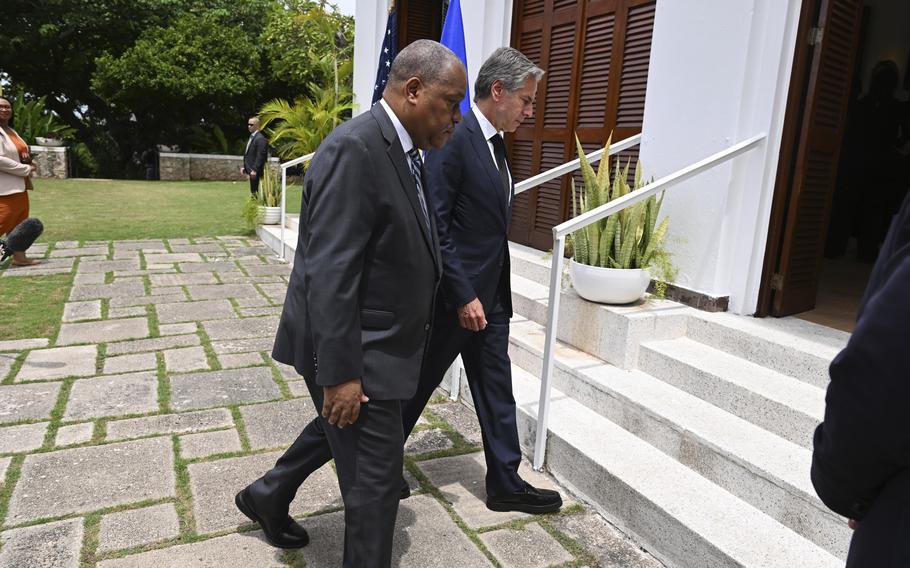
(416, 163)
(499, 150)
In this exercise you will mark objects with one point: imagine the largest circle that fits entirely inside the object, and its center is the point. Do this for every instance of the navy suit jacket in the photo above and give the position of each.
(862, 449)
(472, 217)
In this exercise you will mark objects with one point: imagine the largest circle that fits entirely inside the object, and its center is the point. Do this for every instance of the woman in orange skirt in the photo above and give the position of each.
(15, 169)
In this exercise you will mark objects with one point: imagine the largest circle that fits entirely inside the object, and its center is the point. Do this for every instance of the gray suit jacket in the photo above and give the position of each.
(360, 299)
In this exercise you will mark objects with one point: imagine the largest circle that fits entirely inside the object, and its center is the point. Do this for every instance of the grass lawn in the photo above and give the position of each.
(90, 209)
(31, 306)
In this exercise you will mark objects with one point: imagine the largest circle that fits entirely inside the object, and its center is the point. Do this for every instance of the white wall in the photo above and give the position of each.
(719, 74)
(487, 26)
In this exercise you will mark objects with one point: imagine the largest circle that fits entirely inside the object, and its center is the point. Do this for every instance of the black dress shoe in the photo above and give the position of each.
(285, 533)
(529, 500)
(405, 489)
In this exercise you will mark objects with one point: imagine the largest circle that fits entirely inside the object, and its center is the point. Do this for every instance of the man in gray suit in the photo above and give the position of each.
(359, 305)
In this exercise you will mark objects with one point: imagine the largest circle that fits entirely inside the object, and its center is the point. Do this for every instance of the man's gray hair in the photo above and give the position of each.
(424, 59)
(508, 66)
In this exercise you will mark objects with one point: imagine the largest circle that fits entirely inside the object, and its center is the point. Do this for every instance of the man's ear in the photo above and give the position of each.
(412, 88)
(496, 90)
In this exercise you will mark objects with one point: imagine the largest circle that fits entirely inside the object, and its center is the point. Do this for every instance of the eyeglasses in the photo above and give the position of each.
(251, 124)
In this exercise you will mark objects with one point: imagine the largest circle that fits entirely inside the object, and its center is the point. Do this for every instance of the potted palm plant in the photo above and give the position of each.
(614, 259)
(268, 197)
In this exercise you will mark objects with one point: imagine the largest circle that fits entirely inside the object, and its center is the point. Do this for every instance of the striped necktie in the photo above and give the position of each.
(416, 163)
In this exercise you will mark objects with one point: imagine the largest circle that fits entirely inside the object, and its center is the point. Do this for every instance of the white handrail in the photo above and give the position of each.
(284, 183)
(559, 244)
(568, 167)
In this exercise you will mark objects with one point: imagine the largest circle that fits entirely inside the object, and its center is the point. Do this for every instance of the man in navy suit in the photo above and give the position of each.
(471, 190)
(255, 155)
(861, 462)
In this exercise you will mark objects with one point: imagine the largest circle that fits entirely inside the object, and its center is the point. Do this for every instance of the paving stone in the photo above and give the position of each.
(75, 434)
(221, 388)
(460, 417)
(275, 292)
(236, 360)
(144, 245)
(23, 344)
(256, 312)
(288, 372)
(165, 290)
(161, 268)
(606, 543)
(241, 329)
(257, 301)
(133, 472)
(66, 244)
(126, 312)
(298, 388)
(195, 311)
(22, 438)
(4, 465)
(47, 266)
(232, 551)
(425, 537)
(58, 362)
(214, 484)
(130, 288)
(89, 266)
(120, 254)
(461, 481)
(243, 345)
(169, 424)
(6, 363)
(126, 529)
(130, 363)
(276, 424)
(143, 300)
(173, 242)
(182, 279)
(25, 402)
(528, 547)
(166, 258)
(177, 328)
(209, 443)
(427, 441)
(113, 396)
(80, 311)
(80, 251)
(217, 266)
(206, 247)
(154, 344)
(269, 270)
(185, 359)
(103, 331)
(54, 545)
(221, 291)
(230, 279)
(91, 278)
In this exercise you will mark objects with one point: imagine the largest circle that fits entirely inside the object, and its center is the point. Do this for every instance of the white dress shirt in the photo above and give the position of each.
(488, 132)
(406, 143)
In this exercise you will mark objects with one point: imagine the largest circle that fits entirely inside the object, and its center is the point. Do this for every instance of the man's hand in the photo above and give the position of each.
(852, 524)
(243, 171)
(252, 174)
(471, 316)
(341, 404)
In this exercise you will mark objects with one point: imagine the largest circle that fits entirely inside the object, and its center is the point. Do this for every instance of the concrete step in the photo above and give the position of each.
(292, 222)
(757, 466)
(790, 346)
(778, 403)
(270, 235)
(675, 513)
(612, 333)
(530, 263)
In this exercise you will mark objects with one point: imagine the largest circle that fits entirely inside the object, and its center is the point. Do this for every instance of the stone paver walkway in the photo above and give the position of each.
(124, 438)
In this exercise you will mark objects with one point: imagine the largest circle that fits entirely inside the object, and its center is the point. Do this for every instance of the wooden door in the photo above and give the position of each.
(810, 154)
(419, 19)
(596, 55)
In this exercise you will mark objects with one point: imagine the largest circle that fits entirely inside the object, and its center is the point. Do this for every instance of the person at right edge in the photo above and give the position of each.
(471, 188)
(861, 460)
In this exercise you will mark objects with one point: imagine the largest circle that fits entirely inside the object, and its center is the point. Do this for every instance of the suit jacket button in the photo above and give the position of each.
(426, 327)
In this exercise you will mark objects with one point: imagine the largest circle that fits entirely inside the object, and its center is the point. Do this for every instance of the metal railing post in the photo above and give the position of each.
(543, 407)
(284, 184)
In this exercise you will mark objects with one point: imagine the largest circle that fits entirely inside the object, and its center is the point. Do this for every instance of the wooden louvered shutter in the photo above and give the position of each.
(596, 55)
(419, 19)
(815, 167)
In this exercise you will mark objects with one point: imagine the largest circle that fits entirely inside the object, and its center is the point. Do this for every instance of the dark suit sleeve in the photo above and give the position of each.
(865, 438)
(340, 218)
(444, 176)
(262, 150)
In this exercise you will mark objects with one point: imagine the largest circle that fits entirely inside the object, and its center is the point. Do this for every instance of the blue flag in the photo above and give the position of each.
(453, 38)
(387, 54)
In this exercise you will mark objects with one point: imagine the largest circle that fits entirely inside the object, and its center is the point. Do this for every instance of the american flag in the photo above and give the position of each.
(386, 55)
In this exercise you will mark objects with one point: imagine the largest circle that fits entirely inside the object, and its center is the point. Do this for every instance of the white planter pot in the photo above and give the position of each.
(48, 141)
(270, 215)
(609, 285)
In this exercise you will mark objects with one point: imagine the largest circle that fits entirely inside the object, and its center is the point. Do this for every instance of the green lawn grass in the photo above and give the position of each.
(31, 306)
(91, 209)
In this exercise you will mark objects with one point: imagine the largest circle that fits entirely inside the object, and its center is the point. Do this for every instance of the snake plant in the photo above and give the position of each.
(631, 238)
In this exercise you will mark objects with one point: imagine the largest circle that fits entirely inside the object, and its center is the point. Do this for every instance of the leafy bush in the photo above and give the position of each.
(33, 120)
(251, 213)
